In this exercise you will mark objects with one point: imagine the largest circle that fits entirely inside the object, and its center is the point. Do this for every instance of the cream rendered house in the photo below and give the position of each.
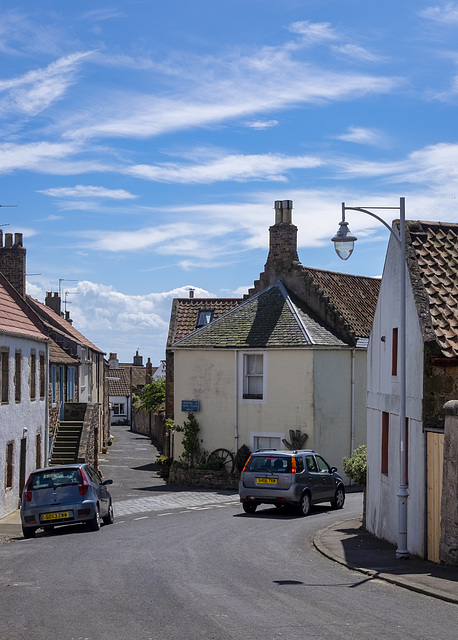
(292, 355)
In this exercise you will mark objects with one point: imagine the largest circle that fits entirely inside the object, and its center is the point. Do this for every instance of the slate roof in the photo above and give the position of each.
(433, 266)
(272, 318)
(354, 297)
(15, 316)
(185, 312)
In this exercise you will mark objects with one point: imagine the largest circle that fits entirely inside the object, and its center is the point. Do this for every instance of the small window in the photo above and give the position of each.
(42, 377)
(9, 465)
(253, 376)
(311, 464)
(5, 376)
(17, 375)
(205, 317)
(119, 409)
(385, 438)
(394, 353)
(33, 376)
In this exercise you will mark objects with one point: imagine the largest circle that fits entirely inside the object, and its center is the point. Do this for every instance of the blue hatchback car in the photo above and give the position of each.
(65, 495)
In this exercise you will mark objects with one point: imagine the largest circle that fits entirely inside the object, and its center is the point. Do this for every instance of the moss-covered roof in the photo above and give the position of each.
(273, 318)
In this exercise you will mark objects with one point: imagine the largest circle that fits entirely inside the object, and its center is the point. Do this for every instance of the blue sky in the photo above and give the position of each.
(144, 143)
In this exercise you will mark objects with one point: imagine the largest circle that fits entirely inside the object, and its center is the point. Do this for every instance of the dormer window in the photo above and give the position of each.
(205, 317)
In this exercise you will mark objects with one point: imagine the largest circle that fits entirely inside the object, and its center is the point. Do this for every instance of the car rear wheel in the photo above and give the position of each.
(109, 518)
(339, 498)
(306, 503)
(249, 507)
(94, 524)
(28, 532)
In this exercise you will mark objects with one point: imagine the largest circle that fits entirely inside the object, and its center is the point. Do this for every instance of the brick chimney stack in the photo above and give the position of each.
(149, 371)
(12, 261)
(138, 360)
(53, 302)
(283, 238)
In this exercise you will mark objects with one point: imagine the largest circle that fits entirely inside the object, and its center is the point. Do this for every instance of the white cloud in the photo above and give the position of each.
(87, 191)
(313, 32)
(357, 53)
(239, 168)
(447, 14)
(213, 91)
(131, 321)
(33, 155)
(261, 124)
(36, 90)
(361, 135)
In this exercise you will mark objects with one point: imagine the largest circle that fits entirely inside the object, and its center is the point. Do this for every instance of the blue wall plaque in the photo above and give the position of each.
(190, 406)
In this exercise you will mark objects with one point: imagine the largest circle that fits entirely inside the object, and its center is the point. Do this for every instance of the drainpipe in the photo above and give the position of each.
(352, 437)
(236, 402)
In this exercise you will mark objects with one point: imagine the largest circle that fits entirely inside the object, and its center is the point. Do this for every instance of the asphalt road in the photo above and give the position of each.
(194, 566)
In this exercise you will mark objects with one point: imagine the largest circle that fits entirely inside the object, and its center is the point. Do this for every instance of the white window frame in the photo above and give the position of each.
(243, 377)
(255, 435)
(120, 414)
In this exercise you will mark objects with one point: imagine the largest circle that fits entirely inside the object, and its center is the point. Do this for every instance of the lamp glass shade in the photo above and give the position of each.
(344, 249)
(344, 241)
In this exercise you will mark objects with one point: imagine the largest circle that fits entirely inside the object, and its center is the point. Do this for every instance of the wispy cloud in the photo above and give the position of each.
(261, 124)
(355, 52)
(102, 14)
(87, 191)
(445, 13)
(239, 168)
(195, 91)
(36, 90)
(361, 135)
(313, 33)
(435, 166)
(33, 155)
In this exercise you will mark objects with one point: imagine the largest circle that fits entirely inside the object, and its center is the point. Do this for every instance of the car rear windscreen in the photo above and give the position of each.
(270, 463)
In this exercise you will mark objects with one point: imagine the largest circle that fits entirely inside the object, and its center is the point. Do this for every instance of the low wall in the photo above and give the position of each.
(203, 479)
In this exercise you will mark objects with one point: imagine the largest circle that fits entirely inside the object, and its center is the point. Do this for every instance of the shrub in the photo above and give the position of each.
(191, 442)
(355, 467)
(241, 457)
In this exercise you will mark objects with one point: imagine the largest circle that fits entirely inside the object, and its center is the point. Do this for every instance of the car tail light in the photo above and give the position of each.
(84, 486)
(245, 465)
(27, 492)
(293, 465)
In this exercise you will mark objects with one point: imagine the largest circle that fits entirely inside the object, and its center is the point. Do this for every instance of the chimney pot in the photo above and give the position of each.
(8, 240)
(191, 293)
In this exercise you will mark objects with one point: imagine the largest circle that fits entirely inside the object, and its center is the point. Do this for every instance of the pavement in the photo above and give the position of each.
(345, 542)
(348, 544)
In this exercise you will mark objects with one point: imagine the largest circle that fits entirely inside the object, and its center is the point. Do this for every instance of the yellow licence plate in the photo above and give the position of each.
(266, 480)
(60, 515)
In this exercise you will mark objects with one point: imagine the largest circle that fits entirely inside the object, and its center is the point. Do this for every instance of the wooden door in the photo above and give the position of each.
(435, 466)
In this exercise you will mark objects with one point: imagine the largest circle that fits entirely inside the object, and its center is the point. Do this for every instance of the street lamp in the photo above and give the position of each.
(344, 243)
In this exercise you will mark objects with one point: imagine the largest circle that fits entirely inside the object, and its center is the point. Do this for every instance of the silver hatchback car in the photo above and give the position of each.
(65, 495)
(299, 478)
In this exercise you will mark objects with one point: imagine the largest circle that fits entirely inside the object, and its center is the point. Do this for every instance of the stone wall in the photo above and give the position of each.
(448, 549)
(203, 479)
(151, 425)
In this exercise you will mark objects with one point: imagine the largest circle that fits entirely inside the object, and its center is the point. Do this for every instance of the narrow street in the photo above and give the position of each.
(190, 564)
